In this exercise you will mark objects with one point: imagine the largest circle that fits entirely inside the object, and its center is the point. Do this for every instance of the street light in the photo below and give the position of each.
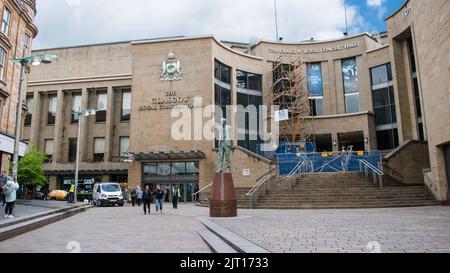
(85, 113)
(33, 60)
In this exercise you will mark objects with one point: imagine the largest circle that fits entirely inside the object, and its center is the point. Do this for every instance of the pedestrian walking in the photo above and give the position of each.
(139, 194)
(10, 189)
(159, 196)
(133, 197)
(147, 199)
(176, 194)
(71, 193)
(2, 184)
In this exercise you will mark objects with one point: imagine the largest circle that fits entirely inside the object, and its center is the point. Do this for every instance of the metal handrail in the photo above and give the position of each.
(261, 186)
(377, 173)
(297, 167)
(195, 194)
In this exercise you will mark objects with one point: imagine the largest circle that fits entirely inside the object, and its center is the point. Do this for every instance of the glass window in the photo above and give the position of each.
(51, 117)
(254, 82)
(316, 105)
(124, 146)
(99, 149)
(48, 150)
(178, 168)
(380, 75)
(29, 115)
(352, 103)
(102, 103)
(76, 107)
(2, 63)
(72, 149)
(225, 73)
(150, 168)
(5, 20)
(387, 139)
(164, 169)
(315, 82)
(26, 44)
(126, 106)
(192, 168)
(241, 79)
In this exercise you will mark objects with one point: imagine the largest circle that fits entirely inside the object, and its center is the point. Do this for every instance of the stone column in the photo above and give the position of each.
(109, 134)
(36, 119)
(59, 127)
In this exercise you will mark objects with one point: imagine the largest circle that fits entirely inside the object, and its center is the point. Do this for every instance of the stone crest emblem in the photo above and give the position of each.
(171, 69)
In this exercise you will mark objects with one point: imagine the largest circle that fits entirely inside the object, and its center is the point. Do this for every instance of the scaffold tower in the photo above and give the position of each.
(289, 92)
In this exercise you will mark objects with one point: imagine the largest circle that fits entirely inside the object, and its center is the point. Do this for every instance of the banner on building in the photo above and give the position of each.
(315, 81)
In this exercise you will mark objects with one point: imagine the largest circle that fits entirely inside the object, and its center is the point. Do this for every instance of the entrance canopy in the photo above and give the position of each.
(170, 155)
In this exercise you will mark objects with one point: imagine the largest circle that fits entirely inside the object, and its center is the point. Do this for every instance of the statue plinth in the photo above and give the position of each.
(223, 197)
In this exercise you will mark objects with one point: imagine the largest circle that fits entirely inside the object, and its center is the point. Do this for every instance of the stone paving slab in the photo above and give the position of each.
(398, 230)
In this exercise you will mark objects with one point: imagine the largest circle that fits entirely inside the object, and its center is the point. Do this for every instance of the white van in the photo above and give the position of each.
(107, 194)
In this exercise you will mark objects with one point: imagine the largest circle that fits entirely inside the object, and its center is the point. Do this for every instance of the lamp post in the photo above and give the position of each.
(33, 60)
(80, 114)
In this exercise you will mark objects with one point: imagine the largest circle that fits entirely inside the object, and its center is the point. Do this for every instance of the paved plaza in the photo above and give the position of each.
(126, 229)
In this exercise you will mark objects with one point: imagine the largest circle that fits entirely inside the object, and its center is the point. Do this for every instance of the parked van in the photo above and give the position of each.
(107, 194)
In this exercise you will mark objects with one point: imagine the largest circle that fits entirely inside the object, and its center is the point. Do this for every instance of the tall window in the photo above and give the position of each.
(5, 20)
(26, 44)
(29, 115)
(351, 85)
(222, 91)
(384, 107)
(76, 108)
(48, 150)
(315, 88)
(417, 95)
(2, 63)
(99, 149)
(126, 105)
(72, 149)
(51, 116)
(249, 99)
(124, 146)
(102, 103)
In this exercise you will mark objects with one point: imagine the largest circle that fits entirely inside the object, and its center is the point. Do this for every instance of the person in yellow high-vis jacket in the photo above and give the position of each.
(176, 194)
(71, 193)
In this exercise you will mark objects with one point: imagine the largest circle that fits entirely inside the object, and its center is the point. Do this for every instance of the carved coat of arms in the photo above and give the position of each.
(171, 69)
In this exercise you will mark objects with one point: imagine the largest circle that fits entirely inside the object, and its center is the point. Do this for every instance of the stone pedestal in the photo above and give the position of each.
(223, 197)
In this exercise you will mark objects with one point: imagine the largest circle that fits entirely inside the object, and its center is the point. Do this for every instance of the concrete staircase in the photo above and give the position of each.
(348, 190)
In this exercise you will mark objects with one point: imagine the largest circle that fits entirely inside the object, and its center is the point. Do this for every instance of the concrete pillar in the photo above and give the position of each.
(334, 140)
(53, 183)
(109, 134)
(59, 126)
(36, 119)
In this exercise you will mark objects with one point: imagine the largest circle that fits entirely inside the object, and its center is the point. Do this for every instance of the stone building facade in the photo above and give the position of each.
(16, 35)
(362, 93)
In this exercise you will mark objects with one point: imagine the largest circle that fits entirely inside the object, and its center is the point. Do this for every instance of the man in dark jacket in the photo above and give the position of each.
(133, 197)
(159, 197)
(147, 198)
(3, 183)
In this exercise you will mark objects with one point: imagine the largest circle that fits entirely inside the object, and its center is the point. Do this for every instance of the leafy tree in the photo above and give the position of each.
(30, 170)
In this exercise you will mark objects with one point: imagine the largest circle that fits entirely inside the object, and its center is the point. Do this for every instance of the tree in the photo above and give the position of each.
(30, 170)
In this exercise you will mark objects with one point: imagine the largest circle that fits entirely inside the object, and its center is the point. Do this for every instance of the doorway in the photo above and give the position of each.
(447, 167)
(186, 190)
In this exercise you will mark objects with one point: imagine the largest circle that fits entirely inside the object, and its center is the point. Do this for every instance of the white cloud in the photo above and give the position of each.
(74, 22)
(375, 3)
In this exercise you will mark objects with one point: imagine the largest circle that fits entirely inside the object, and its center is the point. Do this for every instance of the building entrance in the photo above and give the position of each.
(186, 190)
(447, 166)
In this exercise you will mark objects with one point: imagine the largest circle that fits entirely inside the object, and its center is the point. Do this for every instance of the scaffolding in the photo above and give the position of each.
(289, 92)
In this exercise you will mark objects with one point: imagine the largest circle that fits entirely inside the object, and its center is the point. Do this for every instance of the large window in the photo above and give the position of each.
(126, 105)
(26, 44)
(351, 85)
(171, 168)
(99, 149)
(124, 146)
(48, 150)
(222, 72)
(315, 88)
(72, 149)
(2, 63)
(417, 93)
(249, 101)
(384, 107)
(76, 108)
(29, 116)
(102, 104)
(5, 20)
(51, 116)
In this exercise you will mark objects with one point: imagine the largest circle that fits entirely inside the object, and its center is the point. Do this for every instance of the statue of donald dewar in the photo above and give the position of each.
(224, 137)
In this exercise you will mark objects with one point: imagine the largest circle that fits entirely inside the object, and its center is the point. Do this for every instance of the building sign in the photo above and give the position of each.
(170, 101)
(171, 69)
(281, 115)
(350, 75)
(315, 82)
(80, 181)
(314, 50)
(246, 172)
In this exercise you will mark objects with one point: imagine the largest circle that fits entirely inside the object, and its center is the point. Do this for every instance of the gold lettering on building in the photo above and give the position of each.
(170, 101)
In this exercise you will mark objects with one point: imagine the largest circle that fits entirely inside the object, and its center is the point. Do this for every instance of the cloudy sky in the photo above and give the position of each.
(75, 22)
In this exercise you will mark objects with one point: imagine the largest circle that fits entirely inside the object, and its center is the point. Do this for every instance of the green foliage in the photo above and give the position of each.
(30, 170)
